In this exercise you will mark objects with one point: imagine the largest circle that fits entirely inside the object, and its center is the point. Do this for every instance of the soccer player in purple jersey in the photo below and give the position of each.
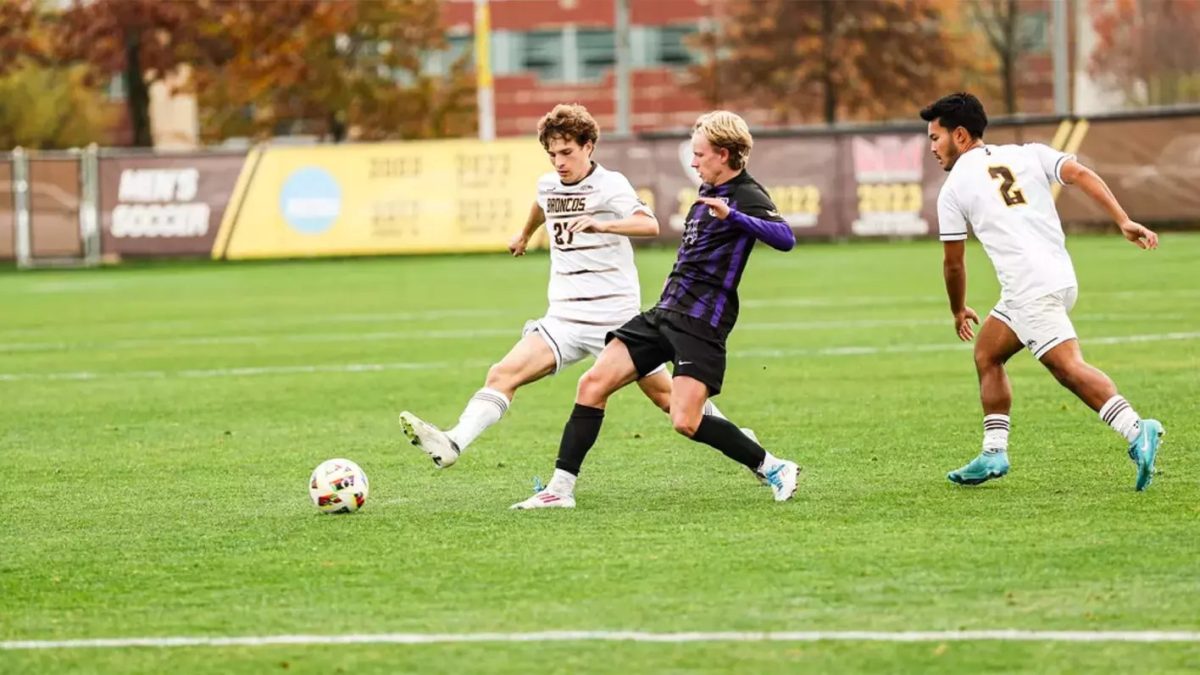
(691, 321)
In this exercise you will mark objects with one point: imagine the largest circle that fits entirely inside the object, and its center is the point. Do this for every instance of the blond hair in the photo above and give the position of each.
(724, 129)
(570, 122)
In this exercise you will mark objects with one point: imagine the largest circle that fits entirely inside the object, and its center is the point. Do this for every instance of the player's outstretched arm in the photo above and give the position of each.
(954, 269)
(639, 224)
(1074, 173)
(521, 240)
(774, 233)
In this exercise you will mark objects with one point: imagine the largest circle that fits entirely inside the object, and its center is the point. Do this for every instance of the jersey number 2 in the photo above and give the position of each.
(559, 230)
(1008, 190)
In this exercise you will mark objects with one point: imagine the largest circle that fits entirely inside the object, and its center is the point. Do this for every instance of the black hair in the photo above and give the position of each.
(958, 110)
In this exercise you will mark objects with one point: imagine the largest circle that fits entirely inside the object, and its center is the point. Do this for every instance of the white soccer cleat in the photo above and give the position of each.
(430, 439)
(782, 478)
(545, 499)
(749, 433)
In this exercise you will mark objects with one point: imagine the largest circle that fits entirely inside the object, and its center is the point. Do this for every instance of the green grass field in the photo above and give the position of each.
(158, 425)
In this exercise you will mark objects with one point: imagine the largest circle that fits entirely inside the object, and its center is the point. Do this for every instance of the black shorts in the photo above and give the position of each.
(695, 348)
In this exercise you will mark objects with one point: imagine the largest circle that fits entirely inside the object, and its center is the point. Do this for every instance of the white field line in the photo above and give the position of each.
(84, 376)
(848, 350)
(285, 320)
(1007, 635)
(477, 333)
(832, 300)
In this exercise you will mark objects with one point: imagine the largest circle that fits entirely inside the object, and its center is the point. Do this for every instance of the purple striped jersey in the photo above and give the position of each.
(713, 254)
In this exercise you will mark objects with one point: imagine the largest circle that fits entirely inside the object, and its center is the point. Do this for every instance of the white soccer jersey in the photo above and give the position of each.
(593, 280)
(1003, 191)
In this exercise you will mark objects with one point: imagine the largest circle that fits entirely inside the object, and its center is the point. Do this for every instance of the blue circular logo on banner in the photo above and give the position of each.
(310, 200)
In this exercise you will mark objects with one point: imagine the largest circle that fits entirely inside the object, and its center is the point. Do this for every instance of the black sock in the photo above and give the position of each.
(579, 435)
(726, 437)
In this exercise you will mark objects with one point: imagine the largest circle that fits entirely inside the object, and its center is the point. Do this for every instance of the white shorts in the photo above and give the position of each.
(572, 342)
(1043, 323)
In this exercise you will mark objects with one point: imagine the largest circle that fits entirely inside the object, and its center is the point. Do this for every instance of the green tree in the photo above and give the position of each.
(51, 107)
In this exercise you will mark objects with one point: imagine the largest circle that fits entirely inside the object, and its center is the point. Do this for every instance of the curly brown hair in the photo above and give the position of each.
(570, 122)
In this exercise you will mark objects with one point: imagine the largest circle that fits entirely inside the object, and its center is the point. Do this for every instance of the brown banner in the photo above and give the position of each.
(8, 232)
(168, 205)
(869, 184)
(886, 184)
(1152, 167)
(796, 171)
(54, 208)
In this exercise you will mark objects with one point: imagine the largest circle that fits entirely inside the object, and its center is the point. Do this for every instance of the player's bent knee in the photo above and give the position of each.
(507, 379)
(986, 361)
(686, 424)
(499, 376)
(1067, 373)
(663, 403)
(594, 387)
(685, 427)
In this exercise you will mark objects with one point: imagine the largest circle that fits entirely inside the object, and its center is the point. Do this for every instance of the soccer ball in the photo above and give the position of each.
(338, 486)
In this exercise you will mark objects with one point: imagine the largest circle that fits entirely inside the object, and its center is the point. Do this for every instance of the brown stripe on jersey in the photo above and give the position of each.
(599, 271)
(593, 298)
(589, 248)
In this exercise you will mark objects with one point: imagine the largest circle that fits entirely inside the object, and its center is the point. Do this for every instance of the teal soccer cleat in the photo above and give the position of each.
(1144, 449)
(986, 466)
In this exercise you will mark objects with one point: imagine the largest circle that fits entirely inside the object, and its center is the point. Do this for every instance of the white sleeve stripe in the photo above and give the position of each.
(954, 236)
(1058, 168)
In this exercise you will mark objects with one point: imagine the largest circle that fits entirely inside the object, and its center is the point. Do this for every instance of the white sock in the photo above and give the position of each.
(1118, 414)
(710, 408)
(484, 409)
(769, 461)
(995, 433)
(563, 483)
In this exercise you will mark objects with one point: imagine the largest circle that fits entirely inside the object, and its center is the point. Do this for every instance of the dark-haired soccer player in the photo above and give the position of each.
(1004, 192)
(691, 321)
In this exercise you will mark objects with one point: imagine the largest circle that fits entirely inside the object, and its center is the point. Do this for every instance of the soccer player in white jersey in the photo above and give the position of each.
(589, 213)
(1004, 193)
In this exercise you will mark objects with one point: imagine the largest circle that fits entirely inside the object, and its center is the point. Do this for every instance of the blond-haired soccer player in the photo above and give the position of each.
(692, 319)
(1004, 192)
(590, 213)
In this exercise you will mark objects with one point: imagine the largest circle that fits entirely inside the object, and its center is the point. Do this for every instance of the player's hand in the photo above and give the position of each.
(518, 244)
(719, 208)
(1142, 236)
(586, 224)
(962, 324)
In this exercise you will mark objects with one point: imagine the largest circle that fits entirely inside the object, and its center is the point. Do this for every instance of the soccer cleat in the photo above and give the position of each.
(1144, 449)
(782, 479)
(431, 440)
(545, 499)
(762, 480)
(985, 467)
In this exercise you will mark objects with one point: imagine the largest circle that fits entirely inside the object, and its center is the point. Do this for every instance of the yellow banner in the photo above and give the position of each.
(411, 197)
